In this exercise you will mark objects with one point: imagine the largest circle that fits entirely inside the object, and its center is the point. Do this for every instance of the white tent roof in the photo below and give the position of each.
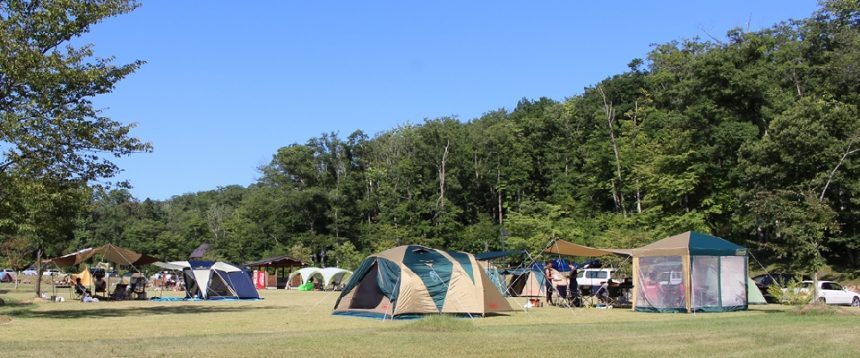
(307, 273)
(173, 265)
(225, 267)
(328, 274)
(331, 274)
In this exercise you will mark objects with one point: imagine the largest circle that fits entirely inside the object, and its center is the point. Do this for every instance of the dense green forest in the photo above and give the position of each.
(752, 138)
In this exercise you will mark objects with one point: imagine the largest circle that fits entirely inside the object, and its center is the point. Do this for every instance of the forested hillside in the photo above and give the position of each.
(753, 138)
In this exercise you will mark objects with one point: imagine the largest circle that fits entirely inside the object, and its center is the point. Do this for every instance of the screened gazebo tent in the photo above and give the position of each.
(690, 272)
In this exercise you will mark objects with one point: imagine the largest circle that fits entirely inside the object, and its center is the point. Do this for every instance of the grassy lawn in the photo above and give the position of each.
(291, 323)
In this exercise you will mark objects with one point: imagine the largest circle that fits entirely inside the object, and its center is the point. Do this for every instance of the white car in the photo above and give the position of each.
(594, 276)
(832, 293)
(53, 272)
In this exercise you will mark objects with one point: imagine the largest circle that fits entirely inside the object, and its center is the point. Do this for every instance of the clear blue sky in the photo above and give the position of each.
(227, 83)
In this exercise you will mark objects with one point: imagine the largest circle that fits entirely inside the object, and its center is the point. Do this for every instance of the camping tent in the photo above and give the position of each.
(214, 280)
(415, 280)
(333, 276)
(328, 277)
(303, 275)
(526, 282)
(496, 275)
(754, 295)
(690, 272)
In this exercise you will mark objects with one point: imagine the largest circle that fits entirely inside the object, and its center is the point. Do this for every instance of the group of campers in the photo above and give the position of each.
(567, 291)
(135, 288)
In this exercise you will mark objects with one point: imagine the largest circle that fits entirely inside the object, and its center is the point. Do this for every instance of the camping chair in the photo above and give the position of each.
(613, 299)
(587, 296)
(119, 292)
(100, 285)
(561, 297)
(138, 287)
(75, 292)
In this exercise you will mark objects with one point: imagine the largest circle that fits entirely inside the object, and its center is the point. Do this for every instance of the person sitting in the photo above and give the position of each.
(80, 289)
(603, 292)
(100, 285)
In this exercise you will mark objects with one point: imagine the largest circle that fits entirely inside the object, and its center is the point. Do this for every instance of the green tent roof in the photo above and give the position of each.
(692, 243)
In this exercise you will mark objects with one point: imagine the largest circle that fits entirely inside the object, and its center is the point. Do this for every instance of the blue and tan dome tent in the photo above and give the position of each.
(415, 280)
(210, 280)
(690, 272)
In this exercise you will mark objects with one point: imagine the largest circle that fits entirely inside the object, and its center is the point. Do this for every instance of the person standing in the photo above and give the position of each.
(573, 287)
(547, 276)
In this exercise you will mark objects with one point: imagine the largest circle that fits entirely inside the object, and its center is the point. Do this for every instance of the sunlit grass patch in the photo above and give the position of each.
(440, 323)
(824, 310)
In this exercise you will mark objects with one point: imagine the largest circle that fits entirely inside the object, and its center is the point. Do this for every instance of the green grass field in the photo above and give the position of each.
(299, 324)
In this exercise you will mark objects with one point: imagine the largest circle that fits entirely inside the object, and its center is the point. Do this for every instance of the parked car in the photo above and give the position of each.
(594, 276)
(764, 281)
(53, 272)
(30, 271)
(832, 293)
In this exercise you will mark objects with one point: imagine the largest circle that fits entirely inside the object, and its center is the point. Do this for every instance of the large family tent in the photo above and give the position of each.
(690, 272)
(328, 277)
(214, 280)
(415, 280)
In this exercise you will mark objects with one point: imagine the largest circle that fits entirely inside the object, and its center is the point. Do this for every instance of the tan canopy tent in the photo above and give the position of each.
(108, 252)
(567, 248)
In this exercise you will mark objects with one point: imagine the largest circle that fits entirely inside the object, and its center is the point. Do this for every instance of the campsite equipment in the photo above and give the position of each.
(415, 280)
(214, 280)
(690, 272)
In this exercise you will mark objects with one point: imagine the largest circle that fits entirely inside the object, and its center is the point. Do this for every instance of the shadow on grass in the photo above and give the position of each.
(107, 312)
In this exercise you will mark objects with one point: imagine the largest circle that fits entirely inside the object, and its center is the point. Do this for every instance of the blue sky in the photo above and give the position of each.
(227, 83)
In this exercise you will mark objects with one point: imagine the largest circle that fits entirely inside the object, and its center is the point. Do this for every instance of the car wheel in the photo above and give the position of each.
(822, 301)
(856, 302)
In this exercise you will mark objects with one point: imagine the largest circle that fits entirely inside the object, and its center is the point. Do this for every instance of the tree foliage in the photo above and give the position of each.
(752, 139)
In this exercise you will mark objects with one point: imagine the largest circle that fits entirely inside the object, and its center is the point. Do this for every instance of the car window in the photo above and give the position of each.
(831, 286)
(579, 274)
(602, 274)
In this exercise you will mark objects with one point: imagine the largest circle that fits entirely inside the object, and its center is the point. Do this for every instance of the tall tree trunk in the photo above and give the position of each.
(39, 272)
(609, 110)
(440, 203)
(499, 192)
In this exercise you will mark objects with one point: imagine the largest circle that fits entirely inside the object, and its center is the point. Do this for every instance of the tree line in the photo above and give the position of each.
(753, 138)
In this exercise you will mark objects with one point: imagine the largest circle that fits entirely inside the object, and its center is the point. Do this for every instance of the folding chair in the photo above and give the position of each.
(139, 288)
(562, 296)
(119, 292)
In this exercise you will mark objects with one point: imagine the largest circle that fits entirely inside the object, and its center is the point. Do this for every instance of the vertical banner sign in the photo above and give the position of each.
(260, 279)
